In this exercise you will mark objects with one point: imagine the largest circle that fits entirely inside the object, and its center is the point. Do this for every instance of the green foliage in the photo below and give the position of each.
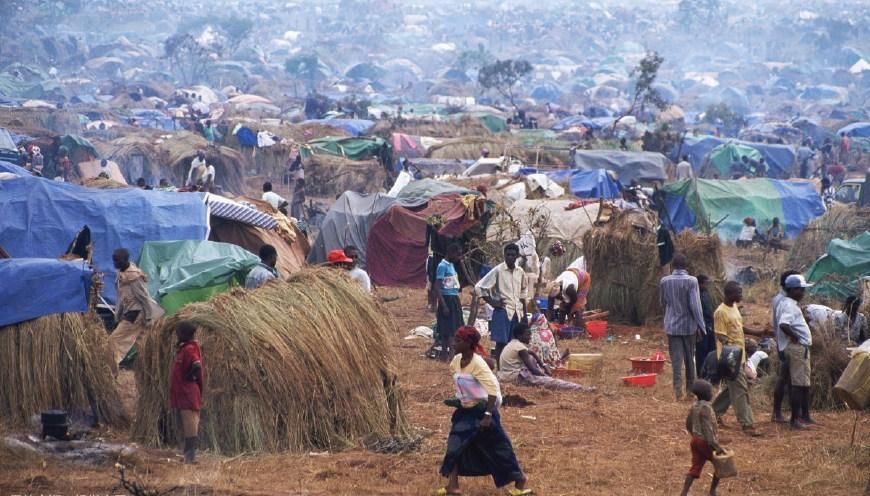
(306, 68)
(721, 112)
(646, 72)
(502, 75)
(189, 59)
(355, 106)
(473, 59)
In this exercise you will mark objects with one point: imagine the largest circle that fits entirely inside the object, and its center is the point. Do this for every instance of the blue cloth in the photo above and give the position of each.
(246, 137)
(478, 452)
(501, 328)
(14, 169)
(35, 287)
(779, 158)
(856, 130)
(594, 184)
(40, 218)
(447, 278)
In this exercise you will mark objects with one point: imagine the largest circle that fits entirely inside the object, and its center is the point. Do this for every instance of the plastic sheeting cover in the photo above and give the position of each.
(35, 287)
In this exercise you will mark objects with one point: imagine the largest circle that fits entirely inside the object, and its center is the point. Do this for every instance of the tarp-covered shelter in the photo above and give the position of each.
(702, 203)
(845, 261)
(353, 127)
(588, 184)
(182, 272)
(856, 130)
(780, 159)
(350, 148)
(628, 166)
(348, 222)
(723, 156)
(35, 287)
(41, 217)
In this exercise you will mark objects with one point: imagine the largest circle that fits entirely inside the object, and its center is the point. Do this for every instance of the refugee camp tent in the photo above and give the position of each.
(41, 217)
(628, 166)
(348, 222)
(35, 287)
(93, 168)
(780, 159)
(8, 150)
(182, 272)
(845, 261)
(856, 130)
(702, 203)
(350, 148)
(719, 159)
(596, 183)
(353, 127)
(419, 192)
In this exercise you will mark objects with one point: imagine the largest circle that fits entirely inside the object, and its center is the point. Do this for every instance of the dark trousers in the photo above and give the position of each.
(682, 351)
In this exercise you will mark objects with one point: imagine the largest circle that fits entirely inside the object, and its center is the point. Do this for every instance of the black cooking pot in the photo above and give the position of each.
(54, 424)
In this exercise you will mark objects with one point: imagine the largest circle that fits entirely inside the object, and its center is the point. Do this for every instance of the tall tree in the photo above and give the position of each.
(645, 94)
(306, 68)
(503, 75)
(188, 58)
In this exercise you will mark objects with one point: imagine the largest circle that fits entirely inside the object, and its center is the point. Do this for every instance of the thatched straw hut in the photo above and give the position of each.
(840, 221)
(330, 176)
(299, 366)
(154, 155)
(468, 148)
(60, 361)
(465, 126)
(622, 258)
(57, 121)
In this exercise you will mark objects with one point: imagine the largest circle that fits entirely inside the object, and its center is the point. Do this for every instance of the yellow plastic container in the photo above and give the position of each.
(591, 364)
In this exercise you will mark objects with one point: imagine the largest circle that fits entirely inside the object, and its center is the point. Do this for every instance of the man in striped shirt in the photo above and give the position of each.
(684, 321)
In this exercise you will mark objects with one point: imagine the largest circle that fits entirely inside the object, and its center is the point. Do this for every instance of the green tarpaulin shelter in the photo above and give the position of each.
(836, 272)
(350, 148)
(724, 155)
(73, 142)
(182, 272)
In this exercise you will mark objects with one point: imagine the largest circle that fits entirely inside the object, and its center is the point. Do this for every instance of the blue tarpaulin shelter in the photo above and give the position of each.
(700, 203)
(41, 217)
(856, 130)
(35, 287)
(595, 183)
(354, 127)
(779, 158)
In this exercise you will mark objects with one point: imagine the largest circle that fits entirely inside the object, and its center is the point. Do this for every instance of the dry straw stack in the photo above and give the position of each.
(330, 176)
(841, 221)
(61, 361)
(299, 366)
(623, 261)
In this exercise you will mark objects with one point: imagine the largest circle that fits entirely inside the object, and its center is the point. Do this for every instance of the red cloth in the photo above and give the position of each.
(185, 394)
(701, 454)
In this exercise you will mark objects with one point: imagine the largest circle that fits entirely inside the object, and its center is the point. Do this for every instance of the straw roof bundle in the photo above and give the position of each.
(303, 365)
(60, 361)
(102, 183)
(620, 256)
(465, 126)
(468, 148)
(623, 261)
(330, 176)
(840, 221)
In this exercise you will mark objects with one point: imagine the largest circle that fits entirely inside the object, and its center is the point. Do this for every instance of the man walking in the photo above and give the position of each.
(797, 352)
(783, 381)
(504, 288)
(136, 310)
(728, 324)
(684, 320)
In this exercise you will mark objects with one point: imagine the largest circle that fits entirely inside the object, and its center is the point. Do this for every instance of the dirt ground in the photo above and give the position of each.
(617, 441)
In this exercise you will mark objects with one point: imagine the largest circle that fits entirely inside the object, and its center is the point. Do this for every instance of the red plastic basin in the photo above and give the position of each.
(644, 365)
(597, 329)
(642, 380)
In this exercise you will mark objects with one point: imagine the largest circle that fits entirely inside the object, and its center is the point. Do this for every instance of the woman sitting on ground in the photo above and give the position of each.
(477, 444)
(543, 343)
(520, 366)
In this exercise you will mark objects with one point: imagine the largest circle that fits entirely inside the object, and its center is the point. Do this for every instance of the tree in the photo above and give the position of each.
(502, 75)
(647, 71)
(473, 59)
(188, 58)
(307, 68)
(235, 30)
(721, 115)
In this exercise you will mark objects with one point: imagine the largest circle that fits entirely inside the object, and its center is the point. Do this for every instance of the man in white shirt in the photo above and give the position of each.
(505, 288)
(783, 381)
(797, 351)
(198, 170)
(356, 273)
(684, 169)
(274, 199)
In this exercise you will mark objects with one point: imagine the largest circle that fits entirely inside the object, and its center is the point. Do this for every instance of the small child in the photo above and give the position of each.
(701, 425)
(185, 387)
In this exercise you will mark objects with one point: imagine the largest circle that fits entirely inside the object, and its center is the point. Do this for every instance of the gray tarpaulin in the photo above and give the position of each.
(348, 223)
(643, 166)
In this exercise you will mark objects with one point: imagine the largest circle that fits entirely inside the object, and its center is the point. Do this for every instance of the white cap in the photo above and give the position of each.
(796, 281)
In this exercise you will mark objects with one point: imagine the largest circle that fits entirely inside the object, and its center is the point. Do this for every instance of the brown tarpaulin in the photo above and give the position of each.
(291, 257)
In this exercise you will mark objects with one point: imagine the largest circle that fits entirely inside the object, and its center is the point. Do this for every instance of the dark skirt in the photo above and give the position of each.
(478, 452)
(446, 325)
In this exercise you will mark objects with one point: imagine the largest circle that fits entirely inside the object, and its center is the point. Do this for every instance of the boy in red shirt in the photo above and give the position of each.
(185, 387)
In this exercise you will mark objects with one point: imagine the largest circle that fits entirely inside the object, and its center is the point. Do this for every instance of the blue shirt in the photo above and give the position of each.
(447, 279)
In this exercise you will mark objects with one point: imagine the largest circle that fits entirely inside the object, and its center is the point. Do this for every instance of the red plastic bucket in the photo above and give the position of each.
(643, 380)
(597, 329)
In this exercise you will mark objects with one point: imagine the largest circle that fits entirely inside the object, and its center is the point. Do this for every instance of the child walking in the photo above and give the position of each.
(701, 425)
(185, 389)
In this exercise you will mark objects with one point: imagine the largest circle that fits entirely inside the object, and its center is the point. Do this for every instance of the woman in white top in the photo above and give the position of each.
(523, 367)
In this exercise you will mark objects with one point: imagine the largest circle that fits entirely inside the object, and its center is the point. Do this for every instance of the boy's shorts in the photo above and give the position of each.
(798, 357)
(701, 454)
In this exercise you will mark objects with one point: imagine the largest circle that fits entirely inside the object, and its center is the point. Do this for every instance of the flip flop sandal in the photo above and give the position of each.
(443, 492)
(520, 492)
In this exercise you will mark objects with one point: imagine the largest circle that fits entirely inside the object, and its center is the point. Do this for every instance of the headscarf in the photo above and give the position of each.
(470, 335)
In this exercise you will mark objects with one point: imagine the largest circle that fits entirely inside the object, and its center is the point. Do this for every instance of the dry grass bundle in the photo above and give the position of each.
(840, 221)
(468, 148)
(329, 176)
(465, 126)
(303, 365)
(60, 361)
(623, 261)
(620, 256)
(102, 183)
